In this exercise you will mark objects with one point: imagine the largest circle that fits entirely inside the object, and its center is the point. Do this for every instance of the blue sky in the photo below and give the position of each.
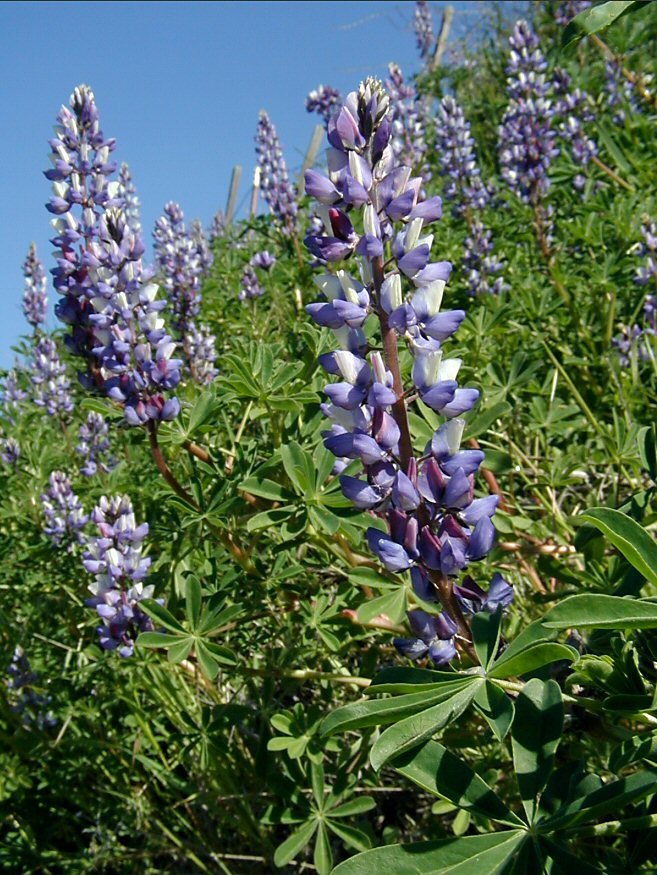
(179, 85)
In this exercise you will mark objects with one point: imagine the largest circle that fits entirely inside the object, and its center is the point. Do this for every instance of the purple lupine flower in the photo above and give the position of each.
(115, 559)
(35, 297)
(574, 108)
(435, 526)
(10, 451)
(526, 134)
(218, 226)
(424, 36)
(323, 100)
(12, 394)
(408, 139)
(483, 270)
(264, 260)
(64, 516)
(94, 446)
(250, 285)
(567, 10)
(178, 262)
(111, 310)
(128, 193)
(474, 599)
(647, 272)
(621, 93)
(51, 385)
(434, 637)
(456, 154)
(24, 696)
(203, 251)
(200, 352)
(275, 185)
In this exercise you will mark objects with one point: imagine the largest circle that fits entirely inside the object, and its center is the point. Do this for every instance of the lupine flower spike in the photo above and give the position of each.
(435, 527)
(106, 300)
(35, 297)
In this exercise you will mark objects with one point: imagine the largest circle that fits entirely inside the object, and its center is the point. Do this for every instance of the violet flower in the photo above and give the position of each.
(567, 10)
(35, 297)
(407, 114)
(10, 451)
(111, 310)
(435, 526)
(323, 100)
(275, 185)
(25, 699)
(423, 24)
(94, 446)
(128, 193)
(114, 557)
(64, 516)
(51, 385)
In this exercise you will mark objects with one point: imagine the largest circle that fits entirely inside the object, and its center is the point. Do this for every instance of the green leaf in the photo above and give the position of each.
(535, 633)
(393, 605)
(537, 728)
(413, 730)
(317, 782)
(438, 771)
(532, 658)
(265, 488)
(322, 857)
(628, 537)
(352, 836)
(270, 518)
(209, 665)
(359, 805)
(177, 652)
(568, 863)
(496, 707)
(595, 19)
(218, 617)
(159, 613)
(294, 844)
(203, 410)
(609, 799)
(382, 711)
(597, 611)
(192, 600)
(628, 703)
(472, 855)
(636, 748)
(647, 440)
(486, 635)
(400, 679)
(298, 468)
(483, 420)
(323, 520)
(157, 639)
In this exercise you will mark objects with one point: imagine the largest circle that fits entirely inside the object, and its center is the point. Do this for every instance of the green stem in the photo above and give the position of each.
(305, 674)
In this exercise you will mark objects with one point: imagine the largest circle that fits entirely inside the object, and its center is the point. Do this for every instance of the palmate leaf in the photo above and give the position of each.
(413, 730)
(472, 855)
(628, 537)
(632, 750)
(294, 843)
(597, 611)
(405, 679)
(596, 19)
(486, 635)
(437, 770)
(379, 712)
(496, 708)
(568, 863)
(532, 658)
(608, 799)
(537, 728)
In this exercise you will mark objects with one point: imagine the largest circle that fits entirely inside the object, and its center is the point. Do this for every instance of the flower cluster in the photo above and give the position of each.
(621, 93)
(251, 287)
(323, 100)
(115, 559)
(51, 385)
(63, 512)
(468, 194)
(12, 394)
(423, 23)
(218, 226)
(566, 11)
(434, 525)
(635, 340)
(573, 106)
(183, 257)
(527, 134)
(35, 297)
(128, 194)
(408, 140)
(24, 697)
(112, 311)
(94, 445)
(10, 451)
(275, 185)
